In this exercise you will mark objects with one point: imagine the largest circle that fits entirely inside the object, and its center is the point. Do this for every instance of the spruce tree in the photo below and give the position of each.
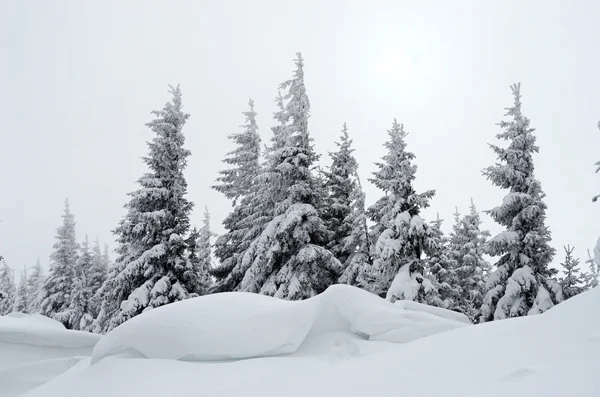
(287, 259)
(237, 181)
(200, 255)
(35, 283)
(86, 258)
(592, 279)
(7, 289)
(79, 312)
(400, 235)
(440, 270)
(239, 184)
(358, 242)
(340, 184)
(522, 283)
(466, 249)
(57, 288)
(96, 276)
(151, 264)
(22, 296)
(573, 281)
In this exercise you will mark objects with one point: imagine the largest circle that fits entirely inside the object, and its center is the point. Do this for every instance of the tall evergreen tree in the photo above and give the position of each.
(57, 288)
(358, 242)
(86, 258)
(573, 281)
(440, 270)
(340, 184)
(79, 312)
(287, 259)
(239, 184)
(237, 181)
(200, 255)
(152, 261)
(96, 276)
(22, 296)
(522, 283)
(7, 288)
(400, 235)
(35, 283)
(466, 249)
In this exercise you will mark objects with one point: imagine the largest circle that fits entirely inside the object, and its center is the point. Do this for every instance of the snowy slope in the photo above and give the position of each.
(35, 349)
(553, 354)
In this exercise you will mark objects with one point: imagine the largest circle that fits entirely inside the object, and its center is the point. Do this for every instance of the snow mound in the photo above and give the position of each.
(552, 354)
(42, 331)
(238, 325)
(26, 339)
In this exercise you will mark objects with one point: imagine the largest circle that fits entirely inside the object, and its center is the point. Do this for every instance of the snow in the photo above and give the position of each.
(238, 325)
(552, 354)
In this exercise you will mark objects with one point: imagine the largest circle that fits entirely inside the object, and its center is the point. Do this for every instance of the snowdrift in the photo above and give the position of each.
(238, 325)
(553, 354)
(25, 338)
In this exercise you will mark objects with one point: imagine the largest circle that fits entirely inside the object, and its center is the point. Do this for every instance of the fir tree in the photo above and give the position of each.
(236, 182)
(35, 283)
(440, 270)
(340, 184)
(22, 296)
(466, 249)
(79, 312)
(86, 258)
(7, 288)
(573, 281)
(205, 251)
(200, 255)
(357, 243)
(239, 184)
(96, 276)
(522, 283)
(151, 265)
(400, 235)
(56, 291)
(287, 259)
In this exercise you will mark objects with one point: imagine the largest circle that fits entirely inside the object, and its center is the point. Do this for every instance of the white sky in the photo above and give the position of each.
(80, 79)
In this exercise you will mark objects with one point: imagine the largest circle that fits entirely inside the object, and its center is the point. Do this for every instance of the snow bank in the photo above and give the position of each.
(24, 339)
(554, 354)
(42, 331)
(237, 325)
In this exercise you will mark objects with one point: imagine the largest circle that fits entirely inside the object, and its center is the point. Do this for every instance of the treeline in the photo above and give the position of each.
(296, 229)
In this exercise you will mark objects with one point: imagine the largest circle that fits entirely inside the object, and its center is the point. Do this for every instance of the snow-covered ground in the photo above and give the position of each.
(344, 342)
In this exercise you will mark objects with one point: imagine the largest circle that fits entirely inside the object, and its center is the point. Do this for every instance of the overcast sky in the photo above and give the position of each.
(80, 78)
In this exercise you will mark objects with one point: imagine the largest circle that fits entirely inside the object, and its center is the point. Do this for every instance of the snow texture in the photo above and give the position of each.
(553, 354)
(240, 325)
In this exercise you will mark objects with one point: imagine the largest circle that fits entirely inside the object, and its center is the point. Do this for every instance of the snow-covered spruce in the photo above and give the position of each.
(440, 271)
(573, 282)
(152, 265)
(35, 283)
(523, 282)
(400, 235)
(8, 290)
(466, 251)
(340, 184)
(56, 291)
(239, 184)
(96, 276)
(200, 255)
(286, 259)
(22, 296)
(358, 242)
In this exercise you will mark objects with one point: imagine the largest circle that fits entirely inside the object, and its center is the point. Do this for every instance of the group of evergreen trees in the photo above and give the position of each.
(69, 293)
(294, 230)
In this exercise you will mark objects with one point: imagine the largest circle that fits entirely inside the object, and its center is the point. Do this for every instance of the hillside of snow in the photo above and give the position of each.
(343, 342)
